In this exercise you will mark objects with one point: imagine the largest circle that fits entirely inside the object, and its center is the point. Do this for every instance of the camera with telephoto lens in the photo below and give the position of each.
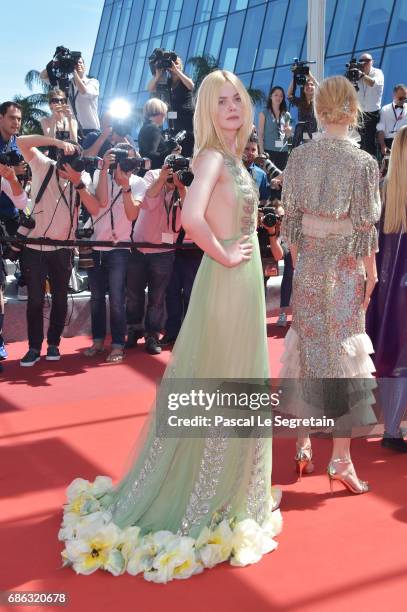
(300, 70)
(129, 164)
(181, 166)
(353, 70)
(64, 60)
(270, 216)
(79, 162)
(61, 67)
(172, 142)
(161, 60)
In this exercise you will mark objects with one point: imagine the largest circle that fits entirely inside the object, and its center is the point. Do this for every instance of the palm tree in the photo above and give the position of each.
(33, 78)
(202, 65)
(206, 63)
(31, 112)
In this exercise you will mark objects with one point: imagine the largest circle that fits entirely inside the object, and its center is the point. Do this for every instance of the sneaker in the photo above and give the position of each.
(167, 340)
(152, 345)
(22, 294)
(3, 352)
(282, 320)
(133, 336)
(31, 357)
(53, 354)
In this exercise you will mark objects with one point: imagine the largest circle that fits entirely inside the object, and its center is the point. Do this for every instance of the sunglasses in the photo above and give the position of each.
(58, 100)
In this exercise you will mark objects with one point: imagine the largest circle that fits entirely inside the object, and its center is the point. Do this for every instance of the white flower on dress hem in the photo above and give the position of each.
(215, 546)
(250, 543)
(94, 548)
(177, 560)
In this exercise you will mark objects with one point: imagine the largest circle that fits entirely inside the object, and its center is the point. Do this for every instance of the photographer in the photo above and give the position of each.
(83, 93)
(268, 233)
(151, 141)
(371, 84)
(158, 223)
(392, 117)
(275, 127)
(180, 95)
(10, 124)
(61, 124)
(250, 155)
(120, 194)
(56, 191)
(100, 141)
(307, 123)
(11, 187)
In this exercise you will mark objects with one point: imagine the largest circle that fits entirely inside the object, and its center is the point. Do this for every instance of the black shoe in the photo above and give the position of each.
(397, 444)
(152, 345)
(30, 358)
(53, 354)
(133, 337)
(167, 340)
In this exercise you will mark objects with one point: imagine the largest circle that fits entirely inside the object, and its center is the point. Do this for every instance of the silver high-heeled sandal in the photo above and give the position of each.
(349, 480)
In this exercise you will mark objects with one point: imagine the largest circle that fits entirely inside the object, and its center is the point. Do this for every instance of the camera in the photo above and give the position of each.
(270, 216)
(161, 60)
(353, 69)
(181, 166)
(26, 220)
(129, 164)
(62, 66)
(65, 60)
(79, 162)
(84, 233)
(11, 158)
(171, 142)
(300, 70)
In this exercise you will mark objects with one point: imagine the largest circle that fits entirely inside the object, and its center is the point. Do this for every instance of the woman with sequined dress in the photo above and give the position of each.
(190, 503)
(331, 201)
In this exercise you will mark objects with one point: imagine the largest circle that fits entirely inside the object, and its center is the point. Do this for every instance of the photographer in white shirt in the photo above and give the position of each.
(371, 84)
(83, 98)
(392, 117)
(120, 195)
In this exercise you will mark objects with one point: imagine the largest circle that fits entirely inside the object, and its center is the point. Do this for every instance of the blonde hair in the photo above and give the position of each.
(336, 102)
(395, 186)
(55, 93)
(154, 106)
(208, 134)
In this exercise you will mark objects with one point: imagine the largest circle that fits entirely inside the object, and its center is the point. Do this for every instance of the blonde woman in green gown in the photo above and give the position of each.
(190, 503)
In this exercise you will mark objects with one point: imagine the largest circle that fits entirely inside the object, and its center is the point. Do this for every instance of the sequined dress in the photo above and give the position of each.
(189, 503)
(331, 202)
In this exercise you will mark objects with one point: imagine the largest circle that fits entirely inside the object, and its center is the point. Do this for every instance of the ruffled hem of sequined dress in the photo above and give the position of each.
(93, 541)
(354, 362)
(355, 365)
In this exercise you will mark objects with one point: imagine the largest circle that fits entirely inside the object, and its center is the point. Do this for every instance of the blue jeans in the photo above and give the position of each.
(179, 290)
(109, 274)
(287, 281)
(151, 270)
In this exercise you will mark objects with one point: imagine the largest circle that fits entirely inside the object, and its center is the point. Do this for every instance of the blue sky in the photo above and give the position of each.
(32, 29)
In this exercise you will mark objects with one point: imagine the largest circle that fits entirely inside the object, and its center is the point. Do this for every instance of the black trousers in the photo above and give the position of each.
(368, 132)
(36, 266)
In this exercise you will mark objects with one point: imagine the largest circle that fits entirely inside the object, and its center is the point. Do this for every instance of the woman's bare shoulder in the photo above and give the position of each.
(208, 159)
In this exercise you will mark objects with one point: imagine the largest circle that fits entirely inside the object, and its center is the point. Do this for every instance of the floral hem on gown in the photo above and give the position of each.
(190, 503)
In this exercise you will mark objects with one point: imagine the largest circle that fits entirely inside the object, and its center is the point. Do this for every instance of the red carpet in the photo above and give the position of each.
(80, 417)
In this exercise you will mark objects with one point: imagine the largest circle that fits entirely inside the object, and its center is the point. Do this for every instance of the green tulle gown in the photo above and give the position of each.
(190, 503)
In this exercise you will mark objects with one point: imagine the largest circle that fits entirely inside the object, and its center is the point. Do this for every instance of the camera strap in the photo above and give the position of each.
(44, 183)
(72, 98)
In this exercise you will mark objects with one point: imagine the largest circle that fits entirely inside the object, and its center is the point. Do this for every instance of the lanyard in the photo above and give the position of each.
(111, 209)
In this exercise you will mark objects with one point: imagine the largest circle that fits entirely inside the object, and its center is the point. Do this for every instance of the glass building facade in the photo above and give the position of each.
(256, 39)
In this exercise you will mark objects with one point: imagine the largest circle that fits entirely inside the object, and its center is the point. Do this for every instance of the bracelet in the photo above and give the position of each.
(126, 190)
(80, 185)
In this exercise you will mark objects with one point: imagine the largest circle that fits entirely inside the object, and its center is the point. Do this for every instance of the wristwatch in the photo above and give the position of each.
(80, 185)
(126, 190)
